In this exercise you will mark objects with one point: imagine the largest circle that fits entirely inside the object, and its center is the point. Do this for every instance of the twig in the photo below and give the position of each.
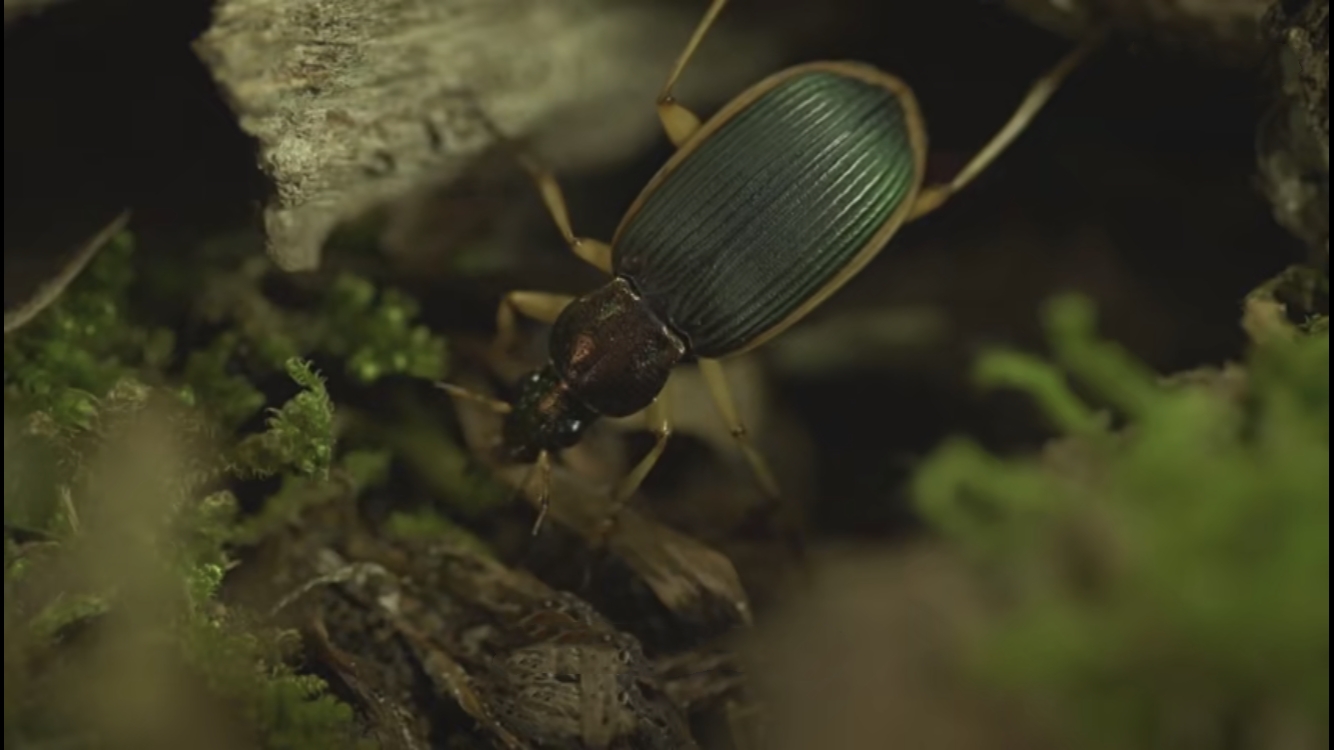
(49, 292)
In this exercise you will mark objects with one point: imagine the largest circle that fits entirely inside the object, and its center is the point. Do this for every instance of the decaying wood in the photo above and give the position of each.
(526, 665)
(1223, 31)
(353, 104)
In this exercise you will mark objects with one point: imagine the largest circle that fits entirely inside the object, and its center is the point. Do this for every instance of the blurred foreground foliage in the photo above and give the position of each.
(1164, 575)
(122, 452)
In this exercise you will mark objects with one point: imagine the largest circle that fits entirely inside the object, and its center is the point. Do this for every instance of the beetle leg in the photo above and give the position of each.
(931, 198)
(495, 405)
(593, 252)
(679, 122)
(657, 418)
(543, 307)
(542, 469)
(716, 379)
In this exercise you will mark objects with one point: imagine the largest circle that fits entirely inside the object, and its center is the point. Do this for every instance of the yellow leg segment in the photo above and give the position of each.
(543, 307)
(716, 379)
(679, 122)
(933, 197)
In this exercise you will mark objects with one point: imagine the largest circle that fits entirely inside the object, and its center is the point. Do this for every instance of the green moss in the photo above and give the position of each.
(66, 611)
(1169, 583)
(375, 335)
(290, 711)
(428, 525)
(87, 360)
(71, 354)
(299, 493)
(230, 397)
(300, 434)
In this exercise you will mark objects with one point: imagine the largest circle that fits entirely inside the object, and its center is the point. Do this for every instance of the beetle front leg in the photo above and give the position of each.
(716, 379)
(932, 197)
(544, 307)
(679, 122)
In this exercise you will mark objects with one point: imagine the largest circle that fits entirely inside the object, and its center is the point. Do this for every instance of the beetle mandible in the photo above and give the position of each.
(764, 210)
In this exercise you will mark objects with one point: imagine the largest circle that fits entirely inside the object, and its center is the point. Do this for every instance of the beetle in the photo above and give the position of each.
(763, 211)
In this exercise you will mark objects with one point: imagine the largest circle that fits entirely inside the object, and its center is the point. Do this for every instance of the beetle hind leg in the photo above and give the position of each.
(932, 197)
(679, 122)
(716, 379)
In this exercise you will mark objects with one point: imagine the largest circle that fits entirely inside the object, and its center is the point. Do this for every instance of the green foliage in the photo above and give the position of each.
(359, 470)
(300, 434)
(1168, 584)
(292, 711)
(429, 525)
(230, 397)
(71, 354)
(376, 337)
(83, 364)
(237, 659)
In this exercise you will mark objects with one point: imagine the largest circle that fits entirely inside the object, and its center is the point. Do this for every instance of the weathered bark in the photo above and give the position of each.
(1293, 143)
(354, 104)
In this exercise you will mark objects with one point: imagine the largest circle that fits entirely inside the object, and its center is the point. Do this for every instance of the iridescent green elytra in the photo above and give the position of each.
(768, 210)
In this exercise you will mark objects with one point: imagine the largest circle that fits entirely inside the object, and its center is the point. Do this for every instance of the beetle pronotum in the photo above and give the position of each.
(765, 210)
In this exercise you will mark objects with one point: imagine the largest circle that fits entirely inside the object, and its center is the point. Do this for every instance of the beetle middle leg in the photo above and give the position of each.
(716, 379)
(544, 307)
(932, 197)
(594, 252)
(657, 418)
(679, 122)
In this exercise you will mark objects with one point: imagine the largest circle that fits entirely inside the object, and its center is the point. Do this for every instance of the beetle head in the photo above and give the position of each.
(546, 417)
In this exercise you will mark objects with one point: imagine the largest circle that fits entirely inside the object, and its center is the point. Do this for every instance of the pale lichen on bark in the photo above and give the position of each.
(353, 104)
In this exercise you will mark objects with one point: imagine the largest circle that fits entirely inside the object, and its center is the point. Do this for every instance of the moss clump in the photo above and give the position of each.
(85, 369)
(83, 344)
(375, 335)
(1168, 583)
(300, 434)
(181, 545)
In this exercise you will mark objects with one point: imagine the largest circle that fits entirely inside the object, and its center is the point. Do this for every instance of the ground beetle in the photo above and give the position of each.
(763, 211)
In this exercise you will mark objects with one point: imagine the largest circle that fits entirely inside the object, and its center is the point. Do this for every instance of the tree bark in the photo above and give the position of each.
(355, 104)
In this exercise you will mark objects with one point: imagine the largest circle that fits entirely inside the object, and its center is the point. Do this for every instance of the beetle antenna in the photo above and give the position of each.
(495, 405)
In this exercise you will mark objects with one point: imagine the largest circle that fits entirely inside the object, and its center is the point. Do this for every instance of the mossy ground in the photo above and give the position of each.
(1162, 571)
